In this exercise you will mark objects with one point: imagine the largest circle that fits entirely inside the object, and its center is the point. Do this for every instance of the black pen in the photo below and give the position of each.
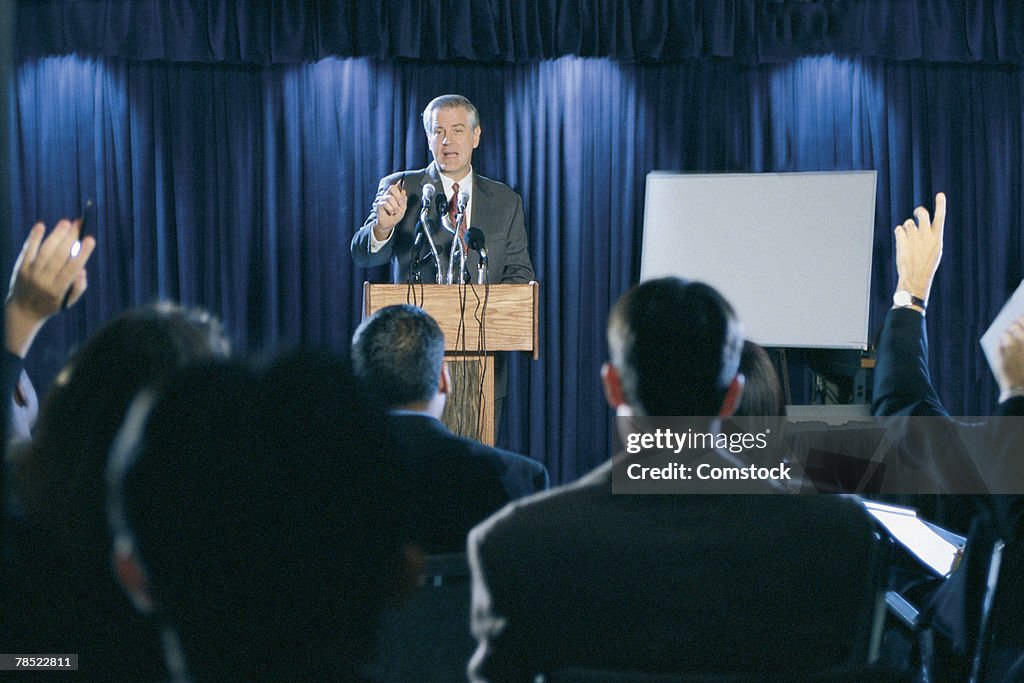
(89, 206)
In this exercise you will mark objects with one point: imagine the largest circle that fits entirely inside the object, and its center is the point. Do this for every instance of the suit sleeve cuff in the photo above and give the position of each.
(376, 244)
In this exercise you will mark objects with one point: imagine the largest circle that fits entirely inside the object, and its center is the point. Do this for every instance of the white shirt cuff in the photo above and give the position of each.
(1012, 392)
(376, 244)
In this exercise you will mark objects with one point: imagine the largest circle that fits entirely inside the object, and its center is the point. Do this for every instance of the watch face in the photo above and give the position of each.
(902, 298)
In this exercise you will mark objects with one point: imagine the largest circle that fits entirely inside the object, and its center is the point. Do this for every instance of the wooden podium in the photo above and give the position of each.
(476, 322)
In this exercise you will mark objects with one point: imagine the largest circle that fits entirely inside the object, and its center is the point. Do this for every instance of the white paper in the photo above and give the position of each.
(912, 533)
(990, 340)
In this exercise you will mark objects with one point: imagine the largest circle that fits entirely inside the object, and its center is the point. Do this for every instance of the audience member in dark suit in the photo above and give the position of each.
(454, 482)
(903, 383)
(46, 278)
(582, 577)
(903, 386)
(64, 597)
(255, 515)
(60, 593)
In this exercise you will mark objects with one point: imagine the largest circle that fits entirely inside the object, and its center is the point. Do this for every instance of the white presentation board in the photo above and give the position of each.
(790, 251)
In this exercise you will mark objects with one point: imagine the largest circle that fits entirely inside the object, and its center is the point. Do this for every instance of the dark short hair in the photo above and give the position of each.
(448, 102)
(264, 508)
(676, 346)
(397, 354)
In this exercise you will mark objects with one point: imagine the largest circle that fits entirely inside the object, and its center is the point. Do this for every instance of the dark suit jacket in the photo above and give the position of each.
(903, 384)
(454, 482)
(496, 210)
(579, 576)
(903, 387)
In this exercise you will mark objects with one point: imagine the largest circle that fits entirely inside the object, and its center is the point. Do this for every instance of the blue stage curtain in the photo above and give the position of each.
(512, 31)
(238, 188)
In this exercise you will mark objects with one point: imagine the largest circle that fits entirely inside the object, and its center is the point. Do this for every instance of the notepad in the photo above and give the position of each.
(936, 548)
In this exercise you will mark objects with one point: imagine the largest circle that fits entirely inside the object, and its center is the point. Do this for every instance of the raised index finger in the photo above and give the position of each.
(939, 220)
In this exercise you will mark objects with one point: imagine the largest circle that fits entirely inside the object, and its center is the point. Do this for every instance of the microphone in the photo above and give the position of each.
(476, 242)
(463, 201)
(428, 191)
(476, 239)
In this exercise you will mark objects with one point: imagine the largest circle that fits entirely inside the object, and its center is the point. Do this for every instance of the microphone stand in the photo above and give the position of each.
(415, 277)
(460, 220)
(475, 237)
(425, 227)
(481, 269)
(456, 246)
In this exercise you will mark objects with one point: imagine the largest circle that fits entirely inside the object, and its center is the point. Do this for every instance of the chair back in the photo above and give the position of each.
(427, 638)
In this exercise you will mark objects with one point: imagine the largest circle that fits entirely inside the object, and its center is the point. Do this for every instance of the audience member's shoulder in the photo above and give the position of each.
(533, 511)
(507, 457)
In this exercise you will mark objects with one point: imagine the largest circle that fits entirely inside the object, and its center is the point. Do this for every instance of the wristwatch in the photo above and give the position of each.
(903, 298)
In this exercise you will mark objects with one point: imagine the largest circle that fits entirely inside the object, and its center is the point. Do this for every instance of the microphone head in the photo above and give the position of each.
(463, 200)
(475, 237)
(428, 191)
(442, 203)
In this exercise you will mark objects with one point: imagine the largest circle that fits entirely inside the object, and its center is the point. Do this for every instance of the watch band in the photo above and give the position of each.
(903, 299)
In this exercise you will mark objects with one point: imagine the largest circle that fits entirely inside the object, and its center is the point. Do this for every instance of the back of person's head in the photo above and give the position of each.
(60, 478)
(184, 500)
(762, 393)
(675, 346)
(264, 513)
(397, 353)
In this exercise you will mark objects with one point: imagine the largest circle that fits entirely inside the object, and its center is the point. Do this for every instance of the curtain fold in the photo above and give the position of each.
(514, 32)
(238, 188)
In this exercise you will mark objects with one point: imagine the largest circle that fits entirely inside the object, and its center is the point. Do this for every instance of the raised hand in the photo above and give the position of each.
(390, 205)
(45, 274)
(919, 248)
(1010, 368)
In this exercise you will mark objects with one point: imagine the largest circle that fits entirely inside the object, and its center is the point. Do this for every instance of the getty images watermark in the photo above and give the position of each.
(861, 455)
